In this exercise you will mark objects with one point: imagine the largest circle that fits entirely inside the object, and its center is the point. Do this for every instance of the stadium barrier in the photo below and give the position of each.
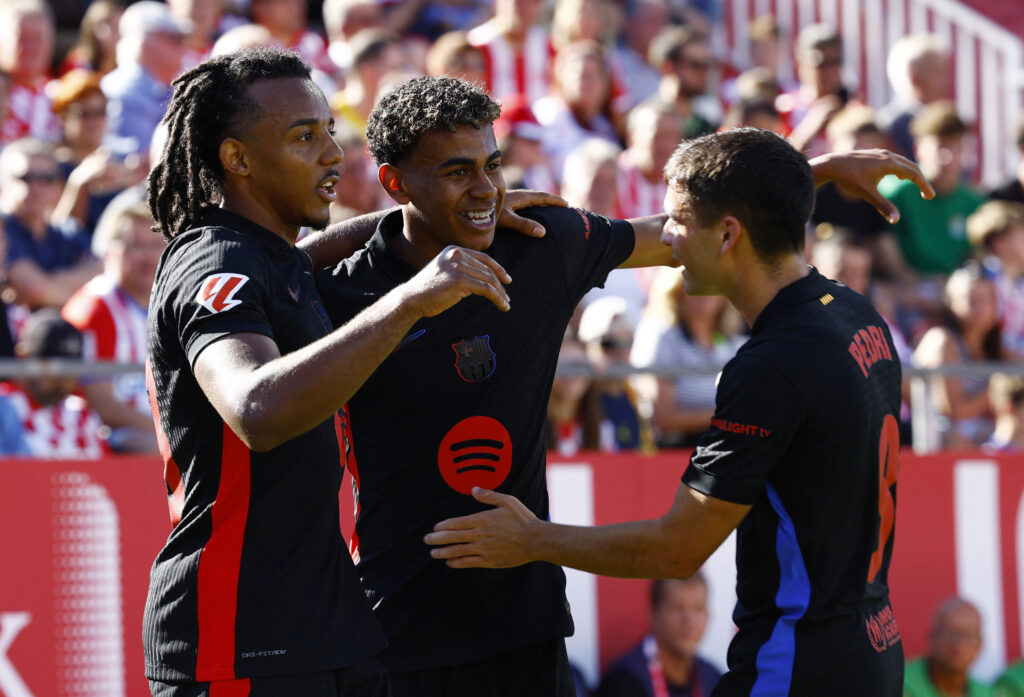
(77, 539)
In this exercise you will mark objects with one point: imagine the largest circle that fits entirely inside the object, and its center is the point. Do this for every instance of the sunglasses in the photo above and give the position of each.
(39, 177)
(87, 113)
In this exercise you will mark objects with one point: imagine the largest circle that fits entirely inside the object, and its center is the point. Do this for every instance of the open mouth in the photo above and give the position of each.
(480, 219)
(326, 189)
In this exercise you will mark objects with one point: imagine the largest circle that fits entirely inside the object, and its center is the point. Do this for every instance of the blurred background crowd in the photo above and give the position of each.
(596, 94)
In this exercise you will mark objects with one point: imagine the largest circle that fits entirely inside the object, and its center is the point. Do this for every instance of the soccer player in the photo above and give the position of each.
(461, 402)
(802, 455)
(254, 591)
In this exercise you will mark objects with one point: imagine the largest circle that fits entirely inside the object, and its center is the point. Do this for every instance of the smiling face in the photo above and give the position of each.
(451, 189)
(287, 157)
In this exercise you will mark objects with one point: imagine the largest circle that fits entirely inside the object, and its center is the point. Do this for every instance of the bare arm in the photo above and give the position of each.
(858, 172)
(673, 546)
(648, 250)
(35, 287)
(343, 239)
(267, 398)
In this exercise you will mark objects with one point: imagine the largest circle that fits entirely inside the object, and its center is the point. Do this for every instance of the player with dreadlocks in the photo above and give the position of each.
(254, 592)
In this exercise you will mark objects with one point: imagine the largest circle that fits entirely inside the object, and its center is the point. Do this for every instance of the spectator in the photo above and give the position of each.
(644, 19)
(756, 113)
(96, 47)
(357, 189)
(932, 236)
(971, 333)
(5, 93)
(47, 260)
(343, 19)
(685, 331)
(653, 131)
(996, 230)
(519, 135)
(110, 311)
(518, 52)
(94, 176)
(149, 57)
(1006, 395)
(921, 72)
(665, 662)
(204, 17)
(565, 405)
(56, 422)
(243, 36)
(683, 58)
(955, 642)
(575, 110)
(375, 54)
(287, 22)
(452, 54)
(1013, 190)
(821, 93)
(611, 421)
(26, 54)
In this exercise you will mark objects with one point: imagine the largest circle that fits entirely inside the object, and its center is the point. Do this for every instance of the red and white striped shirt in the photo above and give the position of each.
(637, 196)
(69, 429)
(510, 71)
(29, 113)
(114, 328)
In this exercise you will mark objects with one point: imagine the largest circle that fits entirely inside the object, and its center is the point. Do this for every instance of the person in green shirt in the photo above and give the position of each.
(955, 643)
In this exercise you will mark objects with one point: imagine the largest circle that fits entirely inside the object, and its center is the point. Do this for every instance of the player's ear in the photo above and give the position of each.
(233, 157)
(390, 177)
(730, 230)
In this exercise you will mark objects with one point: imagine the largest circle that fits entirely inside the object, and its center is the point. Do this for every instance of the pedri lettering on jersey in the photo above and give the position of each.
(474, 359)
(217, 292)
(868, 347)
(743, 429)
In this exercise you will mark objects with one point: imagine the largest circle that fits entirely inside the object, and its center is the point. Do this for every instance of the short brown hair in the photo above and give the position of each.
(938, 119)
(74, 86)
(991, 220)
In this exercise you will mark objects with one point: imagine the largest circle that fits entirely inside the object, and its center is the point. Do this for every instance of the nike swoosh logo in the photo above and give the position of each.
(410, 337)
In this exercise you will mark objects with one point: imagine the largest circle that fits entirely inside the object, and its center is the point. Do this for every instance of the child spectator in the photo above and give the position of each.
(996, 230)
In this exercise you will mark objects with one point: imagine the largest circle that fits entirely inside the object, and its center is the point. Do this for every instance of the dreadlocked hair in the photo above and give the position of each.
(424, 104)
(211, 102)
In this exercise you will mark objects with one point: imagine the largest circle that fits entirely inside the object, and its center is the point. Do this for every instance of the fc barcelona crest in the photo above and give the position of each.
(474, 358)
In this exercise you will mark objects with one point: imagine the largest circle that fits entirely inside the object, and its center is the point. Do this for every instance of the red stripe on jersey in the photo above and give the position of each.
(343, 427)
(230, 688)
(172, 475)
(220, 562)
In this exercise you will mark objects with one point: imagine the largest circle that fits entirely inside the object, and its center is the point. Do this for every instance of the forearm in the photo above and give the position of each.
(641, 549)
(341, 240)
(648, 249)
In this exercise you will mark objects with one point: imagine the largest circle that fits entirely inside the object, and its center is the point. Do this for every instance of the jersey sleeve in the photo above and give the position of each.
(591, 245)
(223, 290)
(757, 412)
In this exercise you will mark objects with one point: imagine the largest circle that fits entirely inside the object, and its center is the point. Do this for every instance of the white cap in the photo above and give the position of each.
(151, 17)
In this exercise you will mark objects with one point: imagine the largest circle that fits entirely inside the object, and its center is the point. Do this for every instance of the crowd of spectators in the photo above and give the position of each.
(596, 94)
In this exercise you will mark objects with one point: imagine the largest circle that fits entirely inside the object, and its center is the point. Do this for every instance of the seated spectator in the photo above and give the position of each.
(575, 109)
(996, 230)
(683, 58)
(519, 136)
(94, 176)
(110, 311)
(921, 72)
(287, 21)
(149, 56)
(970, 334)
(375, 54)
(1013, 190)
(766, 50)
(565, 405)
(821, 92)
(642, 21)
(682, 331)
(653, 131)
(47, 260)
(343, 19)
(611, 421)
(665, 662)
(954, 644)
(96, 47)
(1006, 395)
(452, 54)
(517, 50)
(26, 55)
(56, 423)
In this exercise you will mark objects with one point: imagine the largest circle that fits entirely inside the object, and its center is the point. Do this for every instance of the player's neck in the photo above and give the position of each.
(760, 283)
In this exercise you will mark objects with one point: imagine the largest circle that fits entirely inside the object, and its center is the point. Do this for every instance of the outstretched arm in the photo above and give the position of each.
(858, 172)
(342, 240)
(673, 546)
(267, 398)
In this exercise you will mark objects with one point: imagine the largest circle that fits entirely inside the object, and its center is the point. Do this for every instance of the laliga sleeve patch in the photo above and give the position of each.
(217, 292)
(476, 452)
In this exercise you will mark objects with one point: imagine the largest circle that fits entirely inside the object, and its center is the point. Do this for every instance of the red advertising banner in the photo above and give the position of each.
(77, 539)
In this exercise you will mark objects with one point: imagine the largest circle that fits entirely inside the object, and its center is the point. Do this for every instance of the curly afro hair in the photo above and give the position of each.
(425, 104)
